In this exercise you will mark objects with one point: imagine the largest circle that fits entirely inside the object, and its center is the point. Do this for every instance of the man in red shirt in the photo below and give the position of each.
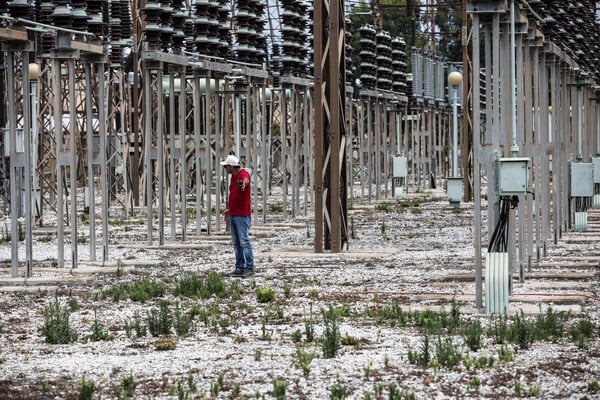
(239, 217)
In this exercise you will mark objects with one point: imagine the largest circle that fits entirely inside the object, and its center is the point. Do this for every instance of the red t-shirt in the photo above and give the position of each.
(239, 200)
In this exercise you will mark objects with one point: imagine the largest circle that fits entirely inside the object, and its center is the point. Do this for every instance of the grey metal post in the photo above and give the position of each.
(58, 134)
(265, 140)
(370, 150)
(160, 143)
(172, 158)
(103, 161)
(148, 151)
(377, 155)
(476, 165)
(91, 162)
(208, 150)
(361, 147)
(182, 153)
(284, 149)
(544, 144)
(219, 100)
(72, 161)
(197, 113)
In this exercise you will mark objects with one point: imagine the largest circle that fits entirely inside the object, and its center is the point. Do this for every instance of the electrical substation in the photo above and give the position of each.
(120, 107)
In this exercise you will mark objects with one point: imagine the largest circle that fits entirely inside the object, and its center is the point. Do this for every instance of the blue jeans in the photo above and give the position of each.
(241, 243)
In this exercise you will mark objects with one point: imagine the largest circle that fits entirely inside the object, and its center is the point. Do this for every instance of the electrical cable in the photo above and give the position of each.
(499, 240)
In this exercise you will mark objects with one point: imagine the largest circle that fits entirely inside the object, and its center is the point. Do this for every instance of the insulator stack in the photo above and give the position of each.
(417, 75)
(384, 60)
(3, 7)
(349, 54)
(126, 20)
(399, 65)
(225, 40)
(188, 30)
(276, 65)
(166, 25)
(368, 67)
(116, 33)
(178, 19)
(152, 31)
(44, 16)
(293, 32)
(310, 39)
(20, 9)
(439, 82)
(251, 40)
(96, 22)
(61, 16)
(428, 77)
(80, 15)
(207, 24)
(572, 26)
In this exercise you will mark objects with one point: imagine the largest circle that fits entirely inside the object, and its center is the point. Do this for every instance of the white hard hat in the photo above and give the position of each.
(231, 160)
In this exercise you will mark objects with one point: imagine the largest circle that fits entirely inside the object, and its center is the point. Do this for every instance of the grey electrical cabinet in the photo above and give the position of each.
(596, 169)
(582, 183)
(513, 175)
(400, 167)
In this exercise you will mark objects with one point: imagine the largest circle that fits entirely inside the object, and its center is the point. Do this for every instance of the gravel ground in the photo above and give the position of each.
(404, 268)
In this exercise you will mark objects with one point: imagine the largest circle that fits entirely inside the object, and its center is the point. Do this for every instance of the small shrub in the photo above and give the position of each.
(165, 343)
(56, 326)
(160, 321)
(86, 389)
(182, 322)
(423, 356)
(472, 334)
(265, 294)
(331, 341)
(337, 392)
(582, 332)
(128, 385)
(446, 353)
(99, 332)
(279, 388)
(303, 359)
(521, 331)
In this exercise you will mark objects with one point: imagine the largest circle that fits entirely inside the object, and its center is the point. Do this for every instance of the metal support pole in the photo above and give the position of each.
(476, 167)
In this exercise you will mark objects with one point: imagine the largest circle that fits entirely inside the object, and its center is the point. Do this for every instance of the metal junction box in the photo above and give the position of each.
(582, 184)
(513, 175)
(400, 167)
(455, 190)
(596, 169)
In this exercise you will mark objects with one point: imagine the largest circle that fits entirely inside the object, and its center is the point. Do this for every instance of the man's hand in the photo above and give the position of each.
(226, 216)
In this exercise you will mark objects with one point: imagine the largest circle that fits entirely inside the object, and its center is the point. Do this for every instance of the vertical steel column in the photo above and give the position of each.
(92, 153)
(362, 132)
(476, 118)
(19, 158)
(160, 144)
(544, 147)
(59, 145)
(72, 160)
(369, 138)
(197, 113)
(172, 183)
(285, 115)
(377, 137)
(330, 88)
(183, 152)
(472, 97)
(148, 150)
(103, 159)
(265, 163)
(209, 155)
